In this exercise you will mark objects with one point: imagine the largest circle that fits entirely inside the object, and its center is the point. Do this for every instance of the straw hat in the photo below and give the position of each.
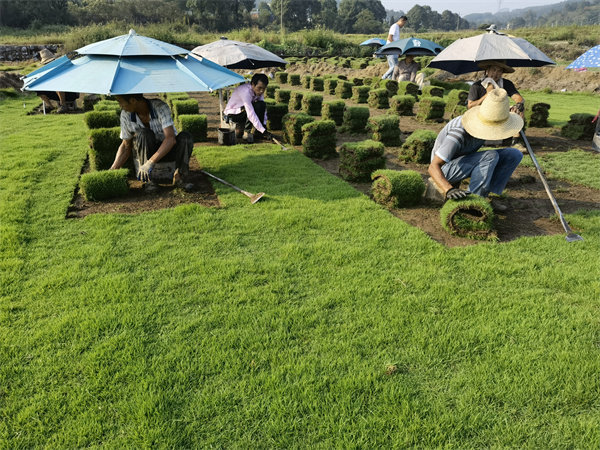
(492, 120)
(46, 56)
(502, 64)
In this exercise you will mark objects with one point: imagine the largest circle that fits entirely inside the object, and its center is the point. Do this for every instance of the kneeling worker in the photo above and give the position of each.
(148, 131)
(248, 110)
(455, 157)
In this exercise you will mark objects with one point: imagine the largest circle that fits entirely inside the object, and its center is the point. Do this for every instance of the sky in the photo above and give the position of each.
(465, 7)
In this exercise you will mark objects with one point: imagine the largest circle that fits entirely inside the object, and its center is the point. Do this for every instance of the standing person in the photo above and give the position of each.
(148, 132)
(406, 69)
(394, 35)
(65, 100)
(247, 109)
(455, 154)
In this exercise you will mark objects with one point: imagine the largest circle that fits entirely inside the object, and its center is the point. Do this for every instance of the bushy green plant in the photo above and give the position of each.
(417, 147)
(316, 84)
(355, 119)
(471, 218)
(344, 89)
(101, 119)
(359, 159)
(275, 113)
(189, 106)
(379, 98)
(402, 105)
(360, 94)
(330, 84)
(282, 95)
(334, 110)
(296, 100)
(281, 77)
(312, 104)
(294, 79)
(104, 143)
(104, 184)
(319, 139)
(430, 108)
(397, 189)
(195, 124)
(385, 129)
(292, 127)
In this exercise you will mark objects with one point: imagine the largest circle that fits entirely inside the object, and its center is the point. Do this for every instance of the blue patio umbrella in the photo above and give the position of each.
(411, 46)
(373, 42)
(132, 44)
(590, 58)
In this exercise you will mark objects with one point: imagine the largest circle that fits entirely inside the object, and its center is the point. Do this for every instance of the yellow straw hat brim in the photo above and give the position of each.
(491, 131)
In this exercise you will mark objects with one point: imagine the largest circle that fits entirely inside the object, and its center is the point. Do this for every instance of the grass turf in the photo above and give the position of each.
(313, 316)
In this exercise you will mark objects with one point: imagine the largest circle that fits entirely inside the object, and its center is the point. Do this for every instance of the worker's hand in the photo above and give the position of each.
(267, 136)
(456, 194)
(489, 84)
(518, 108)
(145, 170)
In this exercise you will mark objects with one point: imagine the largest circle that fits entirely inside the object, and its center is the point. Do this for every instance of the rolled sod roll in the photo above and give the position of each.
(471, 218)
(394, 188)
(104, 184)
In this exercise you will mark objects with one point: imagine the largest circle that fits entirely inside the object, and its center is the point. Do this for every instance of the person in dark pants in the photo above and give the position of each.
(247, 109)
(64, 100)
(148, 132)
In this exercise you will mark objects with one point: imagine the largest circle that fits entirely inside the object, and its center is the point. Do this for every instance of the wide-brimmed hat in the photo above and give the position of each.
(46, 56)
(492, 120)
(502, 64)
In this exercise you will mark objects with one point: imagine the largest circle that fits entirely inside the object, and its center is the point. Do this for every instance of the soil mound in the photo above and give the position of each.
(10, 80)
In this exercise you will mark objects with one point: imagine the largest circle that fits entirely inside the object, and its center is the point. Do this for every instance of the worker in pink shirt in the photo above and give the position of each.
(247, 109)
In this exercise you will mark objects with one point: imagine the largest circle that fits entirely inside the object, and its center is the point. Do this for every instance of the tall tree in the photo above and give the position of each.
(349, 10)
(296, 14)
(366, 23)
(328, 16)
(265, 15)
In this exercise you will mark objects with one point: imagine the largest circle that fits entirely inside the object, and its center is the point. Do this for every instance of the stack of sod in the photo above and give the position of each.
(312, 104)
(189, 106)
(89, 100)
(275, 113)
(397, 189)
(358, 160)
(104, 143)
(294, 79)
(357, 81)
(379, 98)
(370, 81)
(449, 85)
(360, 94)
(355, 119)
(108, 105)
(101, 119)
(471, 218)
(390, 85)
(344, 89)
(195, 124)
(316, 84)
(104, 184)
(579, 126)
(386, 129)
(292, 127)
(271, 88)
(408, 88)
(296, 100)
(281, 77)
(334, 110)
(456, 102)
(318, 139)
(417, 147)
(171, 96)
(342, 77)
(282, 95)
(536, 114)
(433, 91)
(430, 108)
(330, 85)
(402, 105)
(306, 81)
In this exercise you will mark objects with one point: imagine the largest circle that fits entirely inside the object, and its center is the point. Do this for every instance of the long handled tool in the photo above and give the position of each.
(283, 147)
(571, 236)
(253, 197)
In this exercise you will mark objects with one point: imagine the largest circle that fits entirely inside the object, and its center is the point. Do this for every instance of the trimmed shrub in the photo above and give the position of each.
(305, 79)
(104, 184)
(271, 88)
(296, 100)
(344, 89)
(292, 127)
(274, 115)
(390, 85)
(471, 217)
(536, 114)
(379, 98)
(360, 94)
(358, 160)
(402, 105)
(330, 84)
(283, 95)
(430, 108)
(294, 79)
(579, 126)
(334, 110)
(101, 119)
(195, 124)
(432, 91)
(397, 189)
(281, 77)
(316, 84)
(386, 129)
(318, 139)
(189, 106)
(104, 143)
(312, 104)
(355, 119)
(417, 147)
(408, 88)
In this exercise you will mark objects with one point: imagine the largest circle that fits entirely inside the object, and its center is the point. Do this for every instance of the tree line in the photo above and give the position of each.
(349, 16)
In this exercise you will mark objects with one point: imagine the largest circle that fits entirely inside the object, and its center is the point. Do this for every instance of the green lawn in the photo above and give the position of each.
(563, 104)
(313, 318)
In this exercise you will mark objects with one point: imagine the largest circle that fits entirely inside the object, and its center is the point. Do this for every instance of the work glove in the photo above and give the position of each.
(145, 170)
(518, 107)
(456, 194)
